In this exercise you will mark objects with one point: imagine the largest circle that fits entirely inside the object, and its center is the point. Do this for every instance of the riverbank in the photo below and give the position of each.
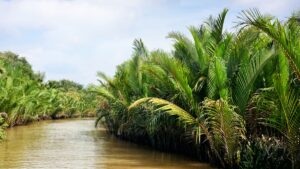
(56, 117)
(4, 125)
(26, 97)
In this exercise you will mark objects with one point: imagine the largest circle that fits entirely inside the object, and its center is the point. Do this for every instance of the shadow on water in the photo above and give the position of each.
(77, 144)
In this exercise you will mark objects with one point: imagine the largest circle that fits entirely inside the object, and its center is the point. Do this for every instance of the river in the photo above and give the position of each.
(76, 144)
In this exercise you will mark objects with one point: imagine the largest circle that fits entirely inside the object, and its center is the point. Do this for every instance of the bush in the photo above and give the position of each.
(265, 152)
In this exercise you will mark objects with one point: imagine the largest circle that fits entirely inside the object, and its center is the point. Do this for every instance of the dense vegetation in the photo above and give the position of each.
(230, 98)
(25, 97)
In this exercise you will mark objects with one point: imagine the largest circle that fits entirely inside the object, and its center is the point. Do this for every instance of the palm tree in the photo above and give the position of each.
(25, 97)
(219, 91)
(286, 36)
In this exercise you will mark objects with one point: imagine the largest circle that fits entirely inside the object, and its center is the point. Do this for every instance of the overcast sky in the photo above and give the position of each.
(74, 39)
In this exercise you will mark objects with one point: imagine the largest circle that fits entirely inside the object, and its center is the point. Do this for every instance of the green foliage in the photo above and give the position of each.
(214, 95)
(264, 153)
(246, 77)
(285, 35)
(217, 79)
(65, 85)
(227, 130)
(25, 97)
(2, 127)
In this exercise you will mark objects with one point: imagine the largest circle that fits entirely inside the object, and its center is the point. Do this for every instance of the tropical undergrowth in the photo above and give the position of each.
(229, 98)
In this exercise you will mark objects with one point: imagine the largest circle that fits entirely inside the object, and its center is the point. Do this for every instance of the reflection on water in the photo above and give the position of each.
(77, 144)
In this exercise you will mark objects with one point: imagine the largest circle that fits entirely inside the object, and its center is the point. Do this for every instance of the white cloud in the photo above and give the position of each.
(65, 27)
(75, 38)
(57, 13)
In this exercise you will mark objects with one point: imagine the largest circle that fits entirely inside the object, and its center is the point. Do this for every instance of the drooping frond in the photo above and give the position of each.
(177, 71)
(185, 51)
(168, 107)
(287, 36)
(106, 79)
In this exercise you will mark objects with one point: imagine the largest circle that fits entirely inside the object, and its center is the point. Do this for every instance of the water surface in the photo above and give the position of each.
(77, 144)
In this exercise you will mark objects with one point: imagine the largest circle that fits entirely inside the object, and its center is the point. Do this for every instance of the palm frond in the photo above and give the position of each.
(247, 76)
(139, 48)
(227, 128)
(167, 107)
(217, 25)
(285, 35)
(217, 79)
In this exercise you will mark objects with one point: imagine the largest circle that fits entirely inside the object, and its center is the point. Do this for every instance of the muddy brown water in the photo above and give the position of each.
(72, 144)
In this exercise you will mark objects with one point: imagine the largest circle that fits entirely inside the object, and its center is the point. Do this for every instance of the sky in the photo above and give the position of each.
(73, 39)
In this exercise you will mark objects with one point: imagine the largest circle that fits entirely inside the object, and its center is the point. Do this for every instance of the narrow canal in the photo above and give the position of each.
(77, 144)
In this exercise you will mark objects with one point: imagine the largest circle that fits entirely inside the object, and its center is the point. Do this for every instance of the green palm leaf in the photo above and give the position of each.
(247, 76)
(287, 36)
(168, 107)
